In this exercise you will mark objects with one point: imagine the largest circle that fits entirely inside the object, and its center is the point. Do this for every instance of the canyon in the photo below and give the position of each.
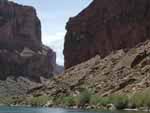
(106, 50)
(24, 60)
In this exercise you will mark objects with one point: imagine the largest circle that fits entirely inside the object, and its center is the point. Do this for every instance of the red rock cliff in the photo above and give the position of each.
(21, 49)
(105, 26)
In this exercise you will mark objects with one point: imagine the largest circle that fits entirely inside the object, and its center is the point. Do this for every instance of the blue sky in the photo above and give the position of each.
(53, 15)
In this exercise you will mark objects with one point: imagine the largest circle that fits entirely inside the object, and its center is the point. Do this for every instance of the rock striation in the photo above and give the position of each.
(21, 50)
(105, 26)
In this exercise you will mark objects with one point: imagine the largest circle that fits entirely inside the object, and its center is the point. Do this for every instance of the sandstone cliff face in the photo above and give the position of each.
(105, 26)
(21, 50)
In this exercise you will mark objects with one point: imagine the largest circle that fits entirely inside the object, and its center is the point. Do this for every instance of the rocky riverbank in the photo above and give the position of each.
(86, 100)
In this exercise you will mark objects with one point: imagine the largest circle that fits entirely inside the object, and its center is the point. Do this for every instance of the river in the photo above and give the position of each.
(52, 110)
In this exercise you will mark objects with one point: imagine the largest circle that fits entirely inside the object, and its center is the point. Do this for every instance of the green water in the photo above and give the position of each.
(51, 110)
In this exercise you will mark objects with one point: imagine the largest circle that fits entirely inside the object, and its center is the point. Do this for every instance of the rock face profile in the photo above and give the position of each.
(21, 50)
(105, 26)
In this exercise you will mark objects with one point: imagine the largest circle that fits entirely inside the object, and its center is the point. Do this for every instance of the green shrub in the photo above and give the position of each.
(94, 100)
(137, 100)
(147, 101)
(69, 101)
(105, 101)
(120, 101)
(84, 98)
(38, 101)
(7, 100)
(57, 101)
(146, 94)
(140, 99)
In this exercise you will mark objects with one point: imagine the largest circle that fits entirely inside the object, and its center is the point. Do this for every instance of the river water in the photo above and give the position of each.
(52, 110)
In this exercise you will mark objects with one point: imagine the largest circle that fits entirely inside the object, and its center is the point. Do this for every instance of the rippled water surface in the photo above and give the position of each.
(50, 110)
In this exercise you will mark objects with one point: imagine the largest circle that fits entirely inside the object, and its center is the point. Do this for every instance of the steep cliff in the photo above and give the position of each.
(105, 26)
(21, 50)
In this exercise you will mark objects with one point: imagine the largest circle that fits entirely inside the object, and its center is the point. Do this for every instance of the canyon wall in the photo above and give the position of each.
(105, 26)
(21, 50)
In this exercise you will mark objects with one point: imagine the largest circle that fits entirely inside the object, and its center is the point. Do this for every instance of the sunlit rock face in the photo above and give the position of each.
(119, 73)
(105, 26)
(21, 50)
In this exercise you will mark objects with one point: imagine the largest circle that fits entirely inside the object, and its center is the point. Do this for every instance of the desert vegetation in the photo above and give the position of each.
(86, 99)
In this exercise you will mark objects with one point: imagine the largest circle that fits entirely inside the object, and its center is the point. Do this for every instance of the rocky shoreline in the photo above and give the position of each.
(131, 102)
(109, 107)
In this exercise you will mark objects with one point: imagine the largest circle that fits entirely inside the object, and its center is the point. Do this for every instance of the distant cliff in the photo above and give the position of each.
(21, 50)
(105, 26)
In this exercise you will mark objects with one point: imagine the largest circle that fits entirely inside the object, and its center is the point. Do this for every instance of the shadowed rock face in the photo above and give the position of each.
(19, 27)
(21, 49)
(105, 26)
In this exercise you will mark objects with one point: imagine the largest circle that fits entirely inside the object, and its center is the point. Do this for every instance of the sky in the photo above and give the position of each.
(54, 15)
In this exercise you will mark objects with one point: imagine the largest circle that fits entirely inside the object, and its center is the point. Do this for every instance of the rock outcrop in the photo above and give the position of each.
(105, 26)
(21, 50)
(118, 73)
